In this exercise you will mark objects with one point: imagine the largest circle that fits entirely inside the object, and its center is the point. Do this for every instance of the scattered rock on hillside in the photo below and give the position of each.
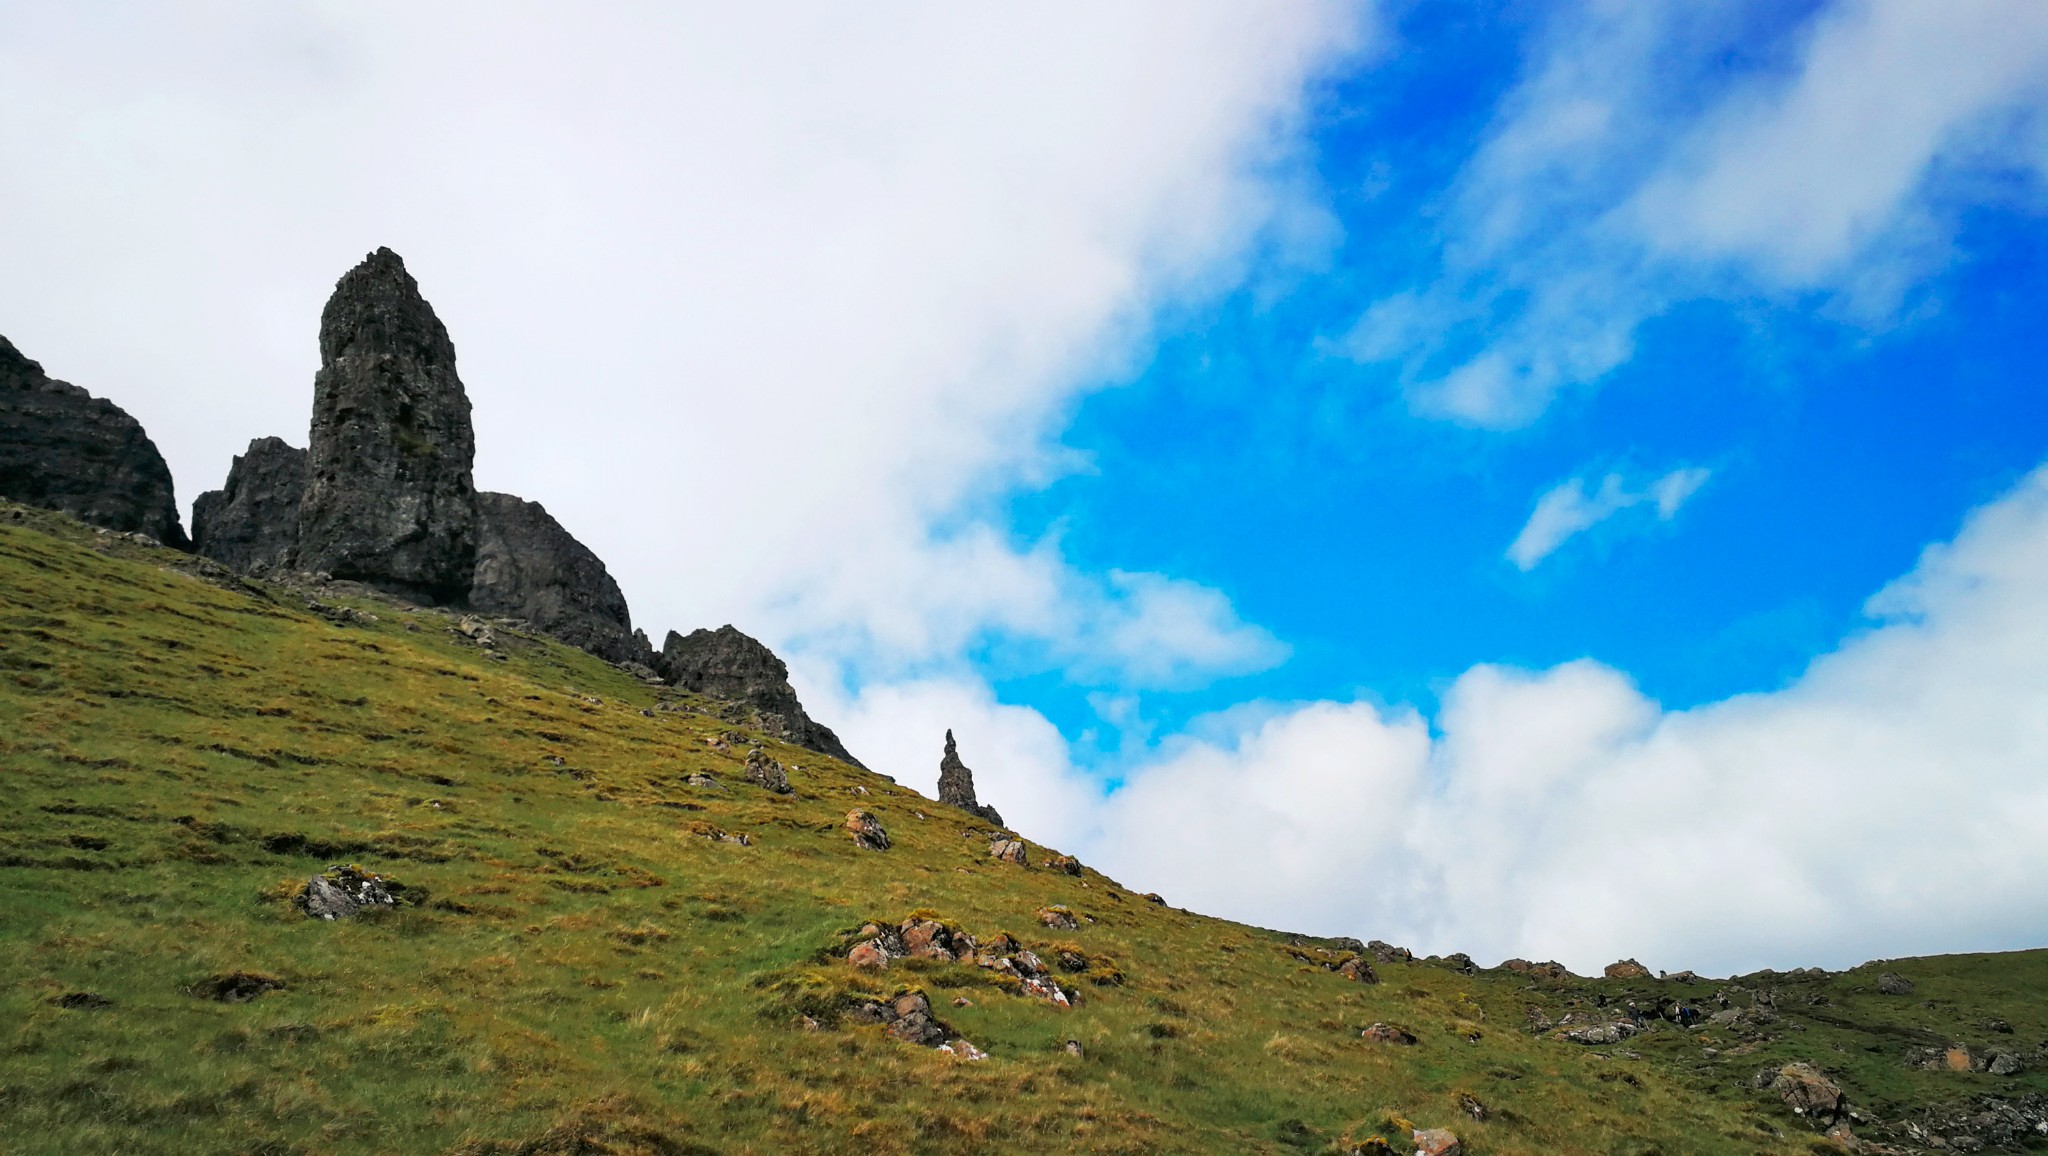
(1612, 1032)
(1437, 1142)
(869, 956)
(529, 567)
(236, 986)
(1892, 984)
(1073, 1048)
(956, 785)
(1058, 918)
(251, 524)
(1810, 1094)
(763, 771)
(1381, 1033)
(727, 664)
(1064, 864)
(82, 1001)
(1472, 1106)
(342, 891)
(867, 831)
(63, 449)
(1549, 969)
(1008, 851)
(1626, 969)
(389, 500)
(1356, 968)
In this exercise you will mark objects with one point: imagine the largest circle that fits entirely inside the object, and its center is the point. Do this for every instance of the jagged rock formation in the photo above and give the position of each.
(528, 566)
(252, 523)
(956, 785)
(727, 664)
(389, 501)
(63, 449)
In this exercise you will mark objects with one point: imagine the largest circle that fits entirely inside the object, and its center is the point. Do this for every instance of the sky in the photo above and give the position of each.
(1561, 480)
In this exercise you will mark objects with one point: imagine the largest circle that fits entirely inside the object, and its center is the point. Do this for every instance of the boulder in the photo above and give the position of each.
(927, 939)
(1388, 1034)
(1608, 1033)
(61, 448)
(867, 831)
(727, 664)
(868, 956)
(343, 891)
(251, 525)
(914, 1022)
(528, 566)
(1891, 984)
(1064, 864)
(1437, 1142)
(1383, 952)
(956, 785)
(1058, 918)
(389, 501)
(1626, 969)
(1810, 1094)
(1356, 968)
(1008, 851)
(763, 771)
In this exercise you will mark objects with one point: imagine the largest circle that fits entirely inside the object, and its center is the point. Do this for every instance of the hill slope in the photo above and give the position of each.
(584, 965)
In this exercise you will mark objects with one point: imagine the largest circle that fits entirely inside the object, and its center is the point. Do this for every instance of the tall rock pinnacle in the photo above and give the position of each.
(389, 501)
(956, 785)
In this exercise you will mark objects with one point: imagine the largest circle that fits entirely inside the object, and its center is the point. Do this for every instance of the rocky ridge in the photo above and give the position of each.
(61, 448)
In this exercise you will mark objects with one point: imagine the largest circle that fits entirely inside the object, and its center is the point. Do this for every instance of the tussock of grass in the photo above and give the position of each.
(587, 970)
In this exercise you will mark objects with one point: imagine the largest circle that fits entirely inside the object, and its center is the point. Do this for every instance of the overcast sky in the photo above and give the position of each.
(1549, 480)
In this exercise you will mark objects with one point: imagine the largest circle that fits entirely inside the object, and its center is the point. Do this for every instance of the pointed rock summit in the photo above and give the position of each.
(528, 566)
(61, 448)
(389, 501)
(727, 664)
(956, 785)
(252, 524)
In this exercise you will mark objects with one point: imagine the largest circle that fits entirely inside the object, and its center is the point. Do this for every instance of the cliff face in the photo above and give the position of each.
(727, 664)
(252, 523)
(389, 501)
(63, 449)
(528, 566)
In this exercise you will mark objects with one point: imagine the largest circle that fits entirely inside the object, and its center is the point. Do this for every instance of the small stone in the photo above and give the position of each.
(868, 956)
(1437, 1142)
(962, 1001)
(343, 891)
(236, 986)
(1893, 984)
(867, 831)
(2005, 1064)
(1072, 1048)
(1071, 961)
(963, 1050)
(1471, 1106)
(1626, 969)
(807, 1023)
(82, 1001)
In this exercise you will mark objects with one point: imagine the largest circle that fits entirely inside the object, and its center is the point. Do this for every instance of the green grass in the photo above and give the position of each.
(588, 974)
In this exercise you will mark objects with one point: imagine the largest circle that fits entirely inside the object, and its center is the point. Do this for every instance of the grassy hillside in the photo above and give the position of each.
(586, 967)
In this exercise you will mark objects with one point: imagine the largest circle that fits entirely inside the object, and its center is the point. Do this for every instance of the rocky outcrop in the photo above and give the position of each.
(727, 664)
(956, 785)
(61, 448)
(389, 501)
(528, 566)
(251, 524)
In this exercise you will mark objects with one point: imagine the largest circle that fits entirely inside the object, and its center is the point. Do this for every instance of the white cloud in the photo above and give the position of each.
(1634, 168)
(1567, 509)
(766, 303)
(1889, 802)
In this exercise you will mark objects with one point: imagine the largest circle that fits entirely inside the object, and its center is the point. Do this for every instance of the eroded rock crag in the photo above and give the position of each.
(61, 448)
(727, 664)
(956, 785)
(252, 523)
(528, 566)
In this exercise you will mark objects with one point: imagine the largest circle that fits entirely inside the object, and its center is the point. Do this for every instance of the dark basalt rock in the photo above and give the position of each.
(956, 785)
(389, 500)
(528, 566)
(63, 449)
(726, 664)
(252, 524)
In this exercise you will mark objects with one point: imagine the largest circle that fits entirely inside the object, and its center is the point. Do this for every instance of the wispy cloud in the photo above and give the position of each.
(1567, 509)
(1633, 169)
